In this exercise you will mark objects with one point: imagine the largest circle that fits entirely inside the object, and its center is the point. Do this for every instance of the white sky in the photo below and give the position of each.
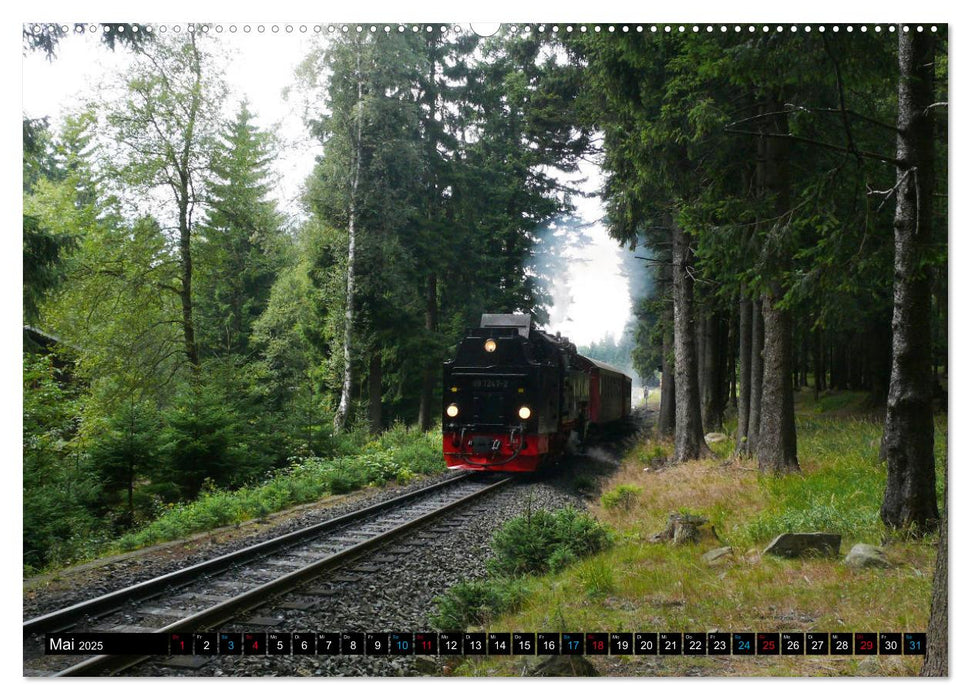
(261, 67)
(593, 300)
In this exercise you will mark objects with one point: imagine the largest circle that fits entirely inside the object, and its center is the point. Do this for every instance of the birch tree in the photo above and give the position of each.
(166, 126)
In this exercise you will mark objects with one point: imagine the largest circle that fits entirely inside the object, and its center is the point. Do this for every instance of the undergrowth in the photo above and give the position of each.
(400, 454)
(533, 544)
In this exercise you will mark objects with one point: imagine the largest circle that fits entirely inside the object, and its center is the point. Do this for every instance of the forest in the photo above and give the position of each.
(783, 194)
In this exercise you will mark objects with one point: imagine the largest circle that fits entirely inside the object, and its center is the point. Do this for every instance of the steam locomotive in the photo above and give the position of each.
(513, 395)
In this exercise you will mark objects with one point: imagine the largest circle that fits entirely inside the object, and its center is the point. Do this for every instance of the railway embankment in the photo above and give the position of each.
(722, 578)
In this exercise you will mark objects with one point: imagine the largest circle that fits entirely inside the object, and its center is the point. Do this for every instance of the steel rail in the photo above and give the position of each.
(59, 620)
(227, 610)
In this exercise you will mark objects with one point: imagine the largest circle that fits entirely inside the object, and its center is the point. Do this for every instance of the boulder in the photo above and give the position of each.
(715, 556)
(863, 556)
(712, 438)
(803, 544)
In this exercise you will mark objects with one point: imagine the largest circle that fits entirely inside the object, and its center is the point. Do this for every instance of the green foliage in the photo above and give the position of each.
(46, 37)
(49, 221)
(124, 451)
(584, 482)
(539, 542)
(476, 603)
(613, 352)
(460, 139)
(843, 494)
(241, 247)
(622, 497)
(532, 544)
(199, 442)
(645, 452)
(58, 487)
(413, 453)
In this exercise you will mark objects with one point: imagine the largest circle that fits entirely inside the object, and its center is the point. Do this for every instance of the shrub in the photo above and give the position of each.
(584, 482)
(647, 452)
(197, 442)
(540, 542)
(473, 603)
(344, 480)
(623, 497)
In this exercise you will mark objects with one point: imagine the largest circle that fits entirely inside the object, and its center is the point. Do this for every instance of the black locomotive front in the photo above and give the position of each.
(501, 397)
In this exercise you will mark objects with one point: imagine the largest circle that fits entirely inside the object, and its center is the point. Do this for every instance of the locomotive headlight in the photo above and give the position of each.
(490, 345)
(525, 413)
(452, 410)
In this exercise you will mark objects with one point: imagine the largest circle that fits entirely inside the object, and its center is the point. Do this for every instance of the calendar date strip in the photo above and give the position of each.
(488, 643)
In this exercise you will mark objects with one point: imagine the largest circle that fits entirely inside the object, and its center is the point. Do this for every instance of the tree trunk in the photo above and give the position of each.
(425, 411)
(819, 369)
(185, 291)
(728, 364)
(689, 438)
(777, 428)
(713, 396)
(744, 372)
(185, 205)
(131, 494)
(343, 408)
(755, 396)
(935, 663)
(804, 357)
(910, 499)
(699, 326)
(666, 419)
(374, 392)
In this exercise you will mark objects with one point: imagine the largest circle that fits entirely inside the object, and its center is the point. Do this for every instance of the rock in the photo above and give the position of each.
(689, 533)
(866, 555)
(714, 556)
(565, 666)
(685, 528)
(802, 544)
(712, 438)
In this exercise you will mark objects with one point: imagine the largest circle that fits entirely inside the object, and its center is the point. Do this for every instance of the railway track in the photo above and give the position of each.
(217, 591)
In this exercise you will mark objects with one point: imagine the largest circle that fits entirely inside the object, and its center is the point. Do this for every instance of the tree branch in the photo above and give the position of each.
(813, 142)
(839, 88)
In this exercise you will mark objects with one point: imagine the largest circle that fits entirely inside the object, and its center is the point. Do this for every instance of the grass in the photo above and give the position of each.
(638, 585)
(621, 497)
(399, 454)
